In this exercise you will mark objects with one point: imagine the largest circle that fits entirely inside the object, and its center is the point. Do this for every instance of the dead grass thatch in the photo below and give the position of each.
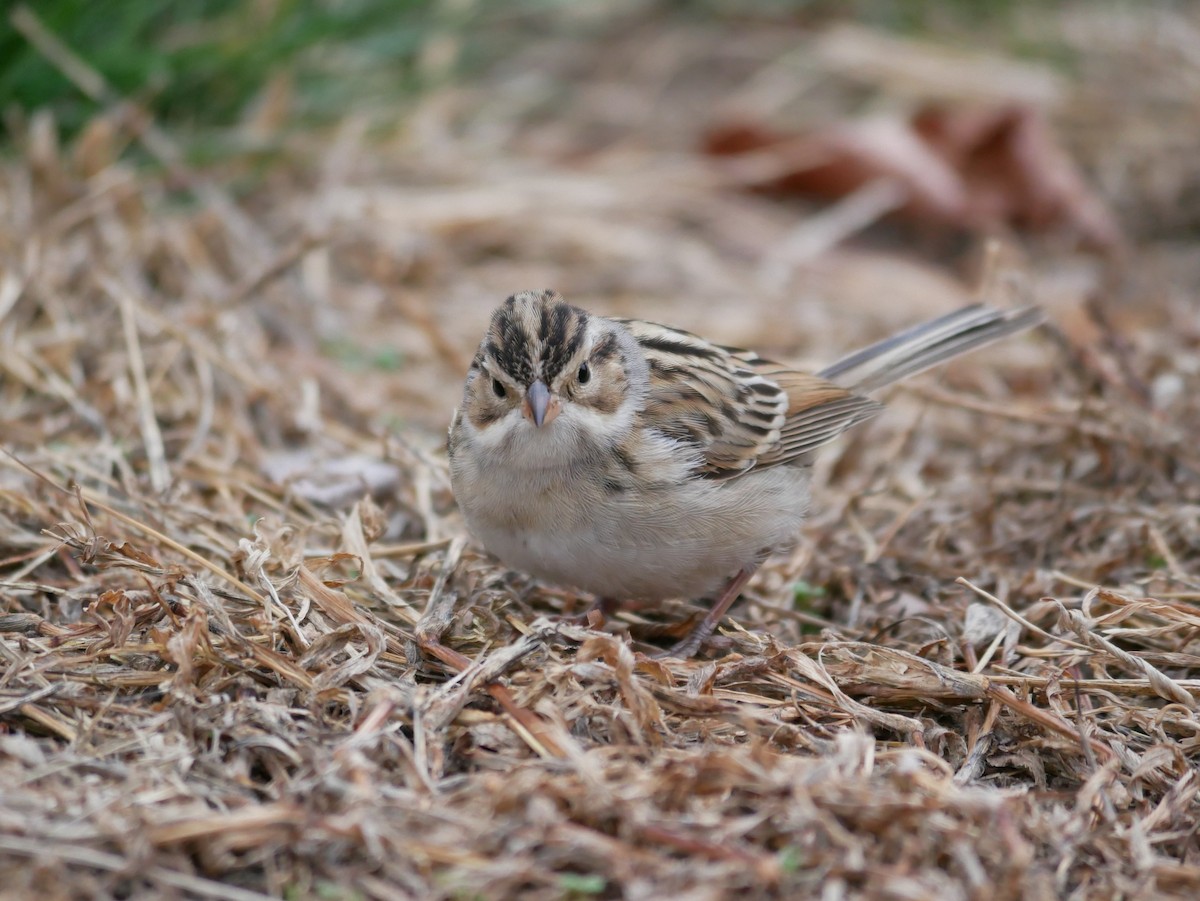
(247, 650)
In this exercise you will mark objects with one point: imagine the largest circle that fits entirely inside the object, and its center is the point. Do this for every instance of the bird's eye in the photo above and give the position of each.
(585, 374)
(498, 388)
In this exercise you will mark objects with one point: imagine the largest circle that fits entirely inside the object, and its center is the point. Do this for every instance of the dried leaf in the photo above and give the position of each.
(972, 169)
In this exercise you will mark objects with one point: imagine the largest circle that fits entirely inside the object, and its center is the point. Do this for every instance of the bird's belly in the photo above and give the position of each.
(681, 542)
(646, 571)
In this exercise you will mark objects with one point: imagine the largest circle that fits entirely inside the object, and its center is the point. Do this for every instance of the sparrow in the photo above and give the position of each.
(640, 462)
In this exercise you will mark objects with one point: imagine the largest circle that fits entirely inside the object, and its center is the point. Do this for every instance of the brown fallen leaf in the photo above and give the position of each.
(1017, 172)
(968, 169)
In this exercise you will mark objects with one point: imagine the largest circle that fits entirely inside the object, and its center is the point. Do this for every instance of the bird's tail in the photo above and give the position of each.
(926, 345)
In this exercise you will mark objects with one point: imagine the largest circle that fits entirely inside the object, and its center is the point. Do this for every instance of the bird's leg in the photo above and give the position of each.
(597, 613)
(700, 633)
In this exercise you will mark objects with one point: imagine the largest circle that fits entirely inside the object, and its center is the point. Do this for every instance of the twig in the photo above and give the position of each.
(160, 476)
(1012, 614)
(439, 609)
(283, 261)
(1164, 686)
(1049, 720)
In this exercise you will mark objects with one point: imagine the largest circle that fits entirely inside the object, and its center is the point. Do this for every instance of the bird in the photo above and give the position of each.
(639, 462)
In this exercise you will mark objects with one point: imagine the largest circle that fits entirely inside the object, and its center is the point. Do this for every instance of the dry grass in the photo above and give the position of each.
(247, 650)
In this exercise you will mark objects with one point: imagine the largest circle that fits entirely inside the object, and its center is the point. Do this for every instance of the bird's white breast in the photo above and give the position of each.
(649, 531)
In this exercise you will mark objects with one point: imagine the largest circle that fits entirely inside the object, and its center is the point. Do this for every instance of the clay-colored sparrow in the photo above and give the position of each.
(640, 462)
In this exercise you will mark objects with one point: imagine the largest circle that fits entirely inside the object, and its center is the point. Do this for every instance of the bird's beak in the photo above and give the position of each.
(540, 405)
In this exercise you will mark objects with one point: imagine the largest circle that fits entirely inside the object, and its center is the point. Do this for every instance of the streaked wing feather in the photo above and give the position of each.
(739, 410)
(706, 396)
(818, 412)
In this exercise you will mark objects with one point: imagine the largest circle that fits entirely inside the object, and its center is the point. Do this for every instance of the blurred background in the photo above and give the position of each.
(365, 180)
